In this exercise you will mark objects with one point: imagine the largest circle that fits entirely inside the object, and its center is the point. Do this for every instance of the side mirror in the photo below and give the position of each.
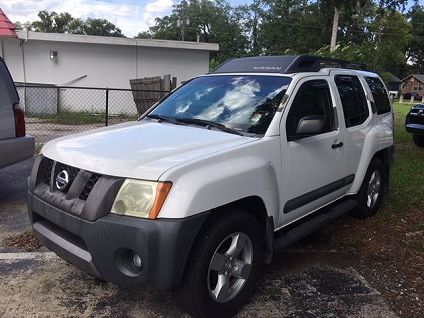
(310, 126)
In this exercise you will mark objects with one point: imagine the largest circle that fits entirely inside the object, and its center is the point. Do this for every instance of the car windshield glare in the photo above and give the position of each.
(244, 103)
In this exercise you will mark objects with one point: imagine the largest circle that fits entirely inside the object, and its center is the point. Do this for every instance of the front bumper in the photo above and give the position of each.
(103, 247)
(417, 129)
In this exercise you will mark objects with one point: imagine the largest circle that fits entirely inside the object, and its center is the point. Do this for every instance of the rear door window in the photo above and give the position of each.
(353, 99)
(381, 100)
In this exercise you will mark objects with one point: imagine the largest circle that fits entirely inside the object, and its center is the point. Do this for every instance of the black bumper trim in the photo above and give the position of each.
(98, 247)
(65, 249)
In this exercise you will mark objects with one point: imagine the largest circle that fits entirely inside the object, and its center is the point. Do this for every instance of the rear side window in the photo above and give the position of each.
(353, 99)
(381, 100)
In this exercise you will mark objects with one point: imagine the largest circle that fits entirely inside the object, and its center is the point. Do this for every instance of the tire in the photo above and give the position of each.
(229, 238)
(418, 140)
(372, 190)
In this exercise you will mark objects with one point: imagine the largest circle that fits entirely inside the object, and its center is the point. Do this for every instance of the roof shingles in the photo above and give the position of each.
(419, 77)
(7, 28)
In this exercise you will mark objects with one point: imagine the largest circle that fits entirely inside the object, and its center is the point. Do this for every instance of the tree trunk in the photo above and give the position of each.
(334, 30)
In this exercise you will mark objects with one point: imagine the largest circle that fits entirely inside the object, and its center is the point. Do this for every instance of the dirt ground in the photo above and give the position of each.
(389, 255)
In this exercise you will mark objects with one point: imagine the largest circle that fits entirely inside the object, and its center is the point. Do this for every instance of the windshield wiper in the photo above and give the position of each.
(208, 124)
(162, 118)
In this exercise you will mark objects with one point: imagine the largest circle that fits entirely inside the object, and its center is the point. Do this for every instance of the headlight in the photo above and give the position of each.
(139, 198)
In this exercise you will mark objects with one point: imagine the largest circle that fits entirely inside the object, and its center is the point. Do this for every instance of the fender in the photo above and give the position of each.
(225, 177)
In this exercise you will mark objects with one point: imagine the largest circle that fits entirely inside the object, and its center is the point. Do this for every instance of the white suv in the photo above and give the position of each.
(14, 144)
(208, 183)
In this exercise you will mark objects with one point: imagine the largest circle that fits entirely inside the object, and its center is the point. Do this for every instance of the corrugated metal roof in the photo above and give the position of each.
(7, 28)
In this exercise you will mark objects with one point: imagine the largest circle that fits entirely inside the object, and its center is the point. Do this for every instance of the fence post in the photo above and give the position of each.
(57, 100)
(107, 107)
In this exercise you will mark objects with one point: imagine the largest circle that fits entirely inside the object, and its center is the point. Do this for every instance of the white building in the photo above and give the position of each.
(94, 61)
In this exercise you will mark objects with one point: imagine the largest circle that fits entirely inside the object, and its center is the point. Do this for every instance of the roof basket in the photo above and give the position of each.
(284, 64)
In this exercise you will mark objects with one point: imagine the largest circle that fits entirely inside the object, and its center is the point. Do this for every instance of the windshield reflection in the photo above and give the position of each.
(245, 103)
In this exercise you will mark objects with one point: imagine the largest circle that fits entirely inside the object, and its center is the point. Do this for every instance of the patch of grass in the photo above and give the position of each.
(71, 118)
(400, 111)
(78, 118)
(407, 174)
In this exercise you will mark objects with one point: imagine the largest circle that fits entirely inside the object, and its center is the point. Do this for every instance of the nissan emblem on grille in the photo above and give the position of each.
(62, 180)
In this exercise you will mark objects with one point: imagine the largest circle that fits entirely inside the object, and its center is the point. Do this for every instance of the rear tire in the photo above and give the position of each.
(418, 140)
(372, 190)
(222, 269)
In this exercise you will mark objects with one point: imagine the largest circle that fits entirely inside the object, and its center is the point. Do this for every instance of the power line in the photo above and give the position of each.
(355, 31)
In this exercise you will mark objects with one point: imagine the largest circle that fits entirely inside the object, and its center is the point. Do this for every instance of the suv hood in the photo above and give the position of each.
(140, 150)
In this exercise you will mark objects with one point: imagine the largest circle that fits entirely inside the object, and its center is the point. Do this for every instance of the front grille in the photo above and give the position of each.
(50, 167)
(88, 195)
(89, 186)
(47, 171)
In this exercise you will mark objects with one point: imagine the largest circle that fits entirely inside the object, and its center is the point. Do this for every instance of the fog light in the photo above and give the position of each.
(136, 260)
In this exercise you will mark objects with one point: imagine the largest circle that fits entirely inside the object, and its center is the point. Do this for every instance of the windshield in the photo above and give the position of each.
(244, 103)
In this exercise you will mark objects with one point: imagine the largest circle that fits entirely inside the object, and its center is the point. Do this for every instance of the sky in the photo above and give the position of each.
(131, 16)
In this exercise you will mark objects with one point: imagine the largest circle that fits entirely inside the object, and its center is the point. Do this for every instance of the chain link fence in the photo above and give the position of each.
(55, 111)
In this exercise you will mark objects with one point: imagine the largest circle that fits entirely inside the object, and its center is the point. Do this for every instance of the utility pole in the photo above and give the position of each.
(255, 46)
(333, 44)
(183, 21)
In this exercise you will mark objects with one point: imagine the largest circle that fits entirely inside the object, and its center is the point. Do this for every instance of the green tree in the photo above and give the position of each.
(64, 23)
(23, 25)
(46, 22)
(382, 48)
(100, 27)
(52, 22)
(144, 35)
(210, 21)
(416, 48)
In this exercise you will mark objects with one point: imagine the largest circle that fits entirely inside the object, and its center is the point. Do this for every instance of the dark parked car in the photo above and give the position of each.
(415, 124)
(417, 96)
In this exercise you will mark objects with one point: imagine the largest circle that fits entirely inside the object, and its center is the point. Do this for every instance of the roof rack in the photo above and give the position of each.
(285, 64)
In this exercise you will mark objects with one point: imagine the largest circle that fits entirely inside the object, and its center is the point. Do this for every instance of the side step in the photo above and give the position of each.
(310, 226)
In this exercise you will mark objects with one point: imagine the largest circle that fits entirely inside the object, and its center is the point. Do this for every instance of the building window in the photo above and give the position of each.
(420, 87)
(403, 86)
(416, 87)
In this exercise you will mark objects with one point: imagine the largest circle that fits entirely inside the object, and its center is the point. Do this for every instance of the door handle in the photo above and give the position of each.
(337, 145)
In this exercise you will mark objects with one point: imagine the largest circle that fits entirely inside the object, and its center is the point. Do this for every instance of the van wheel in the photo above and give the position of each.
(372, 190)
(223, 267)
(418, 140)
